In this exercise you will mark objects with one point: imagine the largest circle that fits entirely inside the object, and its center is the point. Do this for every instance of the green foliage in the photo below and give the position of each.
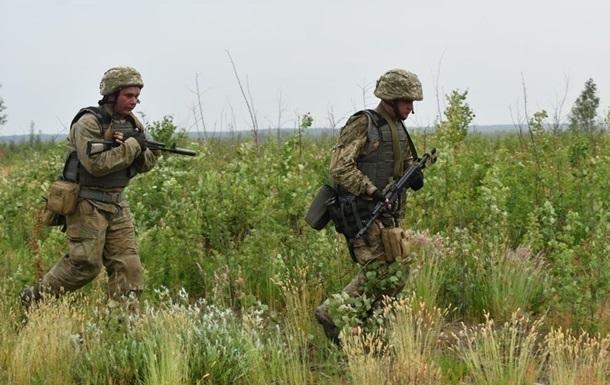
(360, 309)
(227, 222)
(453, 129)
(165, 130)
(536, 122)
(584, 112)
(227, 227)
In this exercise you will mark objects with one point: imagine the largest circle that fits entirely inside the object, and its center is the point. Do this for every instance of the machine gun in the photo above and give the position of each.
(398, 187)
(98, 147)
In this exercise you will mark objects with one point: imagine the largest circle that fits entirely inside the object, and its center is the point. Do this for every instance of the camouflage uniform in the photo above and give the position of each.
(346, 168)
(100, 231)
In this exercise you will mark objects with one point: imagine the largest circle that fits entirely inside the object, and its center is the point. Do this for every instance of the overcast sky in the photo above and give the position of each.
(294, 57)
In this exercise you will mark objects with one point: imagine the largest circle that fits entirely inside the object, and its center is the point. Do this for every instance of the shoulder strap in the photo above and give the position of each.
(374, 116)
(410, 143)
(102, 116)
(375, 121)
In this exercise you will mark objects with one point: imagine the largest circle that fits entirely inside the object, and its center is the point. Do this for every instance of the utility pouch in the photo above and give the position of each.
(63, 196)
(318, 215)
(51, 218)
(349, 213)
(395, 243)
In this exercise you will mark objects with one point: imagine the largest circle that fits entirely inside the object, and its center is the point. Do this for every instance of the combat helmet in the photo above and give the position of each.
(117, 78)
(399, 84)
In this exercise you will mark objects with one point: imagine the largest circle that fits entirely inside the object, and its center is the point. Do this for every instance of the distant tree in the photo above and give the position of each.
(458, 115)
(3, 118)
(584, 112)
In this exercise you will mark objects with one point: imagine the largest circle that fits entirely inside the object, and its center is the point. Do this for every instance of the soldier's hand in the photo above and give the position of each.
(140, 137)
(379, 197)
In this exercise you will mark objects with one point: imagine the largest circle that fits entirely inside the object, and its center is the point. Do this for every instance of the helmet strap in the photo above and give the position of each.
(395, 109)
(105, 100)
(394, 105)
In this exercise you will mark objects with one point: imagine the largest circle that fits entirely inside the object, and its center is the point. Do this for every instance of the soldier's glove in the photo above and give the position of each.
(417, 181)
(378, 196)
(140, 137)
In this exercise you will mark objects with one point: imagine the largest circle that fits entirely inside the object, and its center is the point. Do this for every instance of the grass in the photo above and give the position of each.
(234, 274)
(78, 340)
(504, 355)
(577, 359)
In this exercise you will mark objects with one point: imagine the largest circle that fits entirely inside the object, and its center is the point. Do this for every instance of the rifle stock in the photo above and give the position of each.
(94, 148)
(398, 187)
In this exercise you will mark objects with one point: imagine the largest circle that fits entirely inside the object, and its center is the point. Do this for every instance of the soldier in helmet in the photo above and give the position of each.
(100, 230)
(374, 148)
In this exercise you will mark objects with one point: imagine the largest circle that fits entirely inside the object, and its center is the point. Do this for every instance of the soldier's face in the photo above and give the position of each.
(127, 100)
(404, 108)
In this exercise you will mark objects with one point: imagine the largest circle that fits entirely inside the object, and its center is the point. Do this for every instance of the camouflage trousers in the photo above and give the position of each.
(100, 235)
(377, 277)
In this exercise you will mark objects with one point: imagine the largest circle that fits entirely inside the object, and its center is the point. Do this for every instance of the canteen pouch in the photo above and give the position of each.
(63, 196)
(395, 243)
(318, 215)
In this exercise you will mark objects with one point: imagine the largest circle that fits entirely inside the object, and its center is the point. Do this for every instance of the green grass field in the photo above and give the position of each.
(510, 281)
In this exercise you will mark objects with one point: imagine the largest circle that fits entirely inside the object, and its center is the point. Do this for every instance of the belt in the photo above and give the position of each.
(101, 196)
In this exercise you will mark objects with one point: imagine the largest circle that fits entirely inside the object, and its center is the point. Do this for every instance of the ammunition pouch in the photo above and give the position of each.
(395, 243)
(349, 213)
(63, 196)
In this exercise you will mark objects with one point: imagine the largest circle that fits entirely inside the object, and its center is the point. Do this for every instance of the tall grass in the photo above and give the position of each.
(406, 351)
(48, 345)
(432, 258)
(367, 358)
(501, 354)
(581, 359)
(516, 280)
(416, 330)
(9, 326)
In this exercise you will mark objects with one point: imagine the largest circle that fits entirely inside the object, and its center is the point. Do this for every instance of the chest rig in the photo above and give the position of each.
(75, 172)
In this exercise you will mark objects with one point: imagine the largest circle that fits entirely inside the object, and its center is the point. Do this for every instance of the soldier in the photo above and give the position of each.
(100, 230)
(374, 148)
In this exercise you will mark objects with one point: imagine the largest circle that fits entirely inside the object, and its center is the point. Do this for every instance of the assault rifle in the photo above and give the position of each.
(98, 147)
(398, 187)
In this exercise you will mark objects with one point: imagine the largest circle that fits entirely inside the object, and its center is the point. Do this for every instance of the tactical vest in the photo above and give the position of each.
(378, 165)
(74, 171)
(350, 212)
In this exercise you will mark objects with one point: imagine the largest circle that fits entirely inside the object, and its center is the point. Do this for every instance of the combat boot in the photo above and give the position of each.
(330, 329)
(30, 296)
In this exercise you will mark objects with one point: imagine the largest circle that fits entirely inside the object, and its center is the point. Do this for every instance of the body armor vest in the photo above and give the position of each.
(378, 166)
(351, 212)
(75, 172)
